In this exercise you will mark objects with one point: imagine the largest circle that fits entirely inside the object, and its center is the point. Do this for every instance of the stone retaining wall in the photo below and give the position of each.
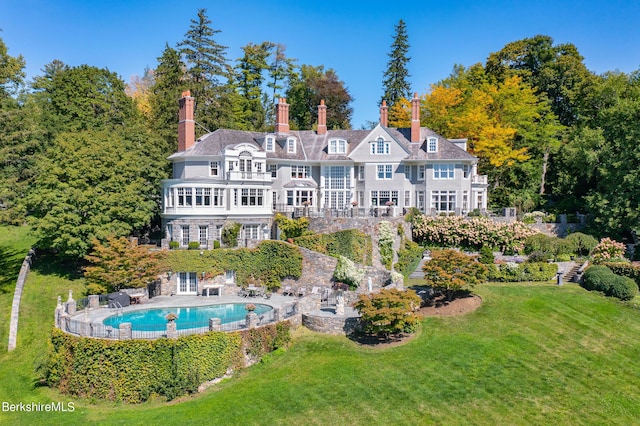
(17, 295)
(331, 325)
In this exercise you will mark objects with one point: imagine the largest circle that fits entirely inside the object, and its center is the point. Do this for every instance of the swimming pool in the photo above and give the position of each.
(192, 317)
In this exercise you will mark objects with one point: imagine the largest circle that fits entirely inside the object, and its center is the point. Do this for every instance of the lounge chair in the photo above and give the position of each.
(302, 291)
(287, 291)
(315, 290)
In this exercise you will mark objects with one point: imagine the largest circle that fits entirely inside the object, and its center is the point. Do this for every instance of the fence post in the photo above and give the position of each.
(252, 320)
(214, 324)
(94, 301)
(125, 331)
(172, 330)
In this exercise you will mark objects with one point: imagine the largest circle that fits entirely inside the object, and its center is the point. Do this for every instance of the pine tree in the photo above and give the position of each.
(209, 73)
(395, 79)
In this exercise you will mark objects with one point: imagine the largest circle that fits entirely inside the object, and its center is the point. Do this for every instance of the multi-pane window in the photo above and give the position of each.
(199, 196)
(269, 144)
(420, 200)
(213, 168)
(380, 147)
(184, 235)
(407, 172)
(421, 169)
(432, 145)
(385, 171)
(187, 282)
(299, 198)
(382, 198)
(361, 172)
(291, 145)
(443, 201)
(252, 197)
(273, 169)
(185, 197)
(407, 198)
(443, 171)
(300, 172)
(251, 232)
(337, 146)
(466, 170)
(259, 167)
(218, 196)
(203, 235)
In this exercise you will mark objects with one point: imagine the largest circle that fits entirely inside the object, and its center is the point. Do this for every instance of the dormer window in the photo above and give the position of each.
(432, 145)
(291, 146)
(213, 168)
(269, 144)
(337, 146)
(380, 147)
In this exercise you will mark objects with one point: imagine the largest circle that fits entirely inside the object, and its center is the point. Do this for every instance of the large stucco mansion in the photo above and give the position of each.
(245, 177)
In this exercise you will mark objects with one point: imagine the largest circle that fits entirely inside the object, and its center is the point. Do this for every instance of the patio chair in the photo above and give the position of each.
(302, 291)
(315, 290)
(242, 292)
(287, 291)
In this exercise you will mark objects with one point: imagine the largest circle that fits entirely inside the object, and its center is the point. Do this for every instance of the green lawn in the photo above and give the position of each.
(532, 354)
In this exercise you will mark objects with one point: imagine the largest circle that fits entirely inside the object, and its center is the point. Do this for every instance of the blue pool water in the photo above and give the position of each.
(193, 317)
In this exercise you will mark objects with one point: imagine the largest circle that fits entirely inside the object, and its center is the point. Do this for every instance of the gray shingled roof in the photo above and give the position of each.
(313, 147)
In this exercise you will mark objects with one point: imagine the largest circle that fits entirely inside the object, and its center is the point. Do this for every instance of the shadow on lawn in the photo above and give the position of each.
(10, 262)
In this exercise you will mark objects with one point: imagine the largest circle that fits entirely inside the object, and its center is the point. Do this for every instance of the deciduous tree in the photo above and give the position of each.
(389, 312)
(450, 271)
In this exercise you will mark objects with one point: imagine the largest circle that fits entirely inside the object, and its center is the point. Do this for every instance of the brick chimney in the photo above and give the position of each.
(415, 118)
(384, 114)
(322, 118)
(282, 116)
(186, 124)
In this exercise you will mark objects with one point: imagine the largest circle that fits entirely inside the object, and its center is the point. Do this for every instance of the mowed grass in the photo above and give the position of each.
(532, 354)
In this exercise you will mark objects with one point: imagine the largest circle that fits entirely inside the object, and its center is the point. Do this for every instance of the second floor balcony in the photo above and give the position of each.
(234, 175)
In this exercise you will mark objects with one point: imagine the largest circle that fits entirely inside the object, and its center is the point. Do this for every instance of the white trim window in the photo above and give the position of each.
(407, 198)
(384, 171)
(421, 171)
(299, 197)
(466, 171)
(407, 172)
(273, 169)
(380, 147)
(252, 197)
(443, 171)
(432, 145)
(337, 146)
(291, 146)
(361, 172)
(269, 144)
(203, 235)
(214, 168)
(184, 235)
(381, 198)
(443, 201)
(300, 171)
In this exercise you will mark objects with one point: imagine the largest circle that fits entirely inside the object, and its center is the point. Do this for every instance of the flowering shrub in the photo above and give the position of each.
(607, 250)
(457, 231)
(347, 272)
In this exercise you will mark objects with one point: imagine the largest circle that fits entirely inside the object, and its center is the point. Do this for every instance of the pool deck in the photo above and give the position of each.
(99, 314)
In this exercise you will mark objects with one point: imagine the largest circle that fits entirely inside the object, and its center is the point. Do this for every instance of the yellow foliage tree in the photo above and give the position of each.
(400, 114)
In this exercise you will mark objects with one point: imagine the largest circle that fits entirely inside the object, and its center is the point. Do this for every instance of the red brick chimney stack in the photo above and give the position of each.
(186, 124)
(415, 118)
(282, 116)
(384, 114)
(322, 118)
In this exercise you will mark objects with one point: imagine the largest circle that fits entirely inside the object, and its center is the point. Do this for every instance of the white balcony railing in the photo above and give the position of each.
(479, 179)
(252, 176)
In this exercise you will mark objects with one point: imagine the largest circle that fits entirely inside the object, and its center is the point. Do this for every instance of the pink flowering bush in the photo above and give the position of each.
(458, 231)
(608, 250)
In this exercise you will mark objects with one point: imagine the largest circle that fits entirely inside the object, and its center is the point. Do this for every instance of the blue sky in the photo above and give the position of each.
(352, 37)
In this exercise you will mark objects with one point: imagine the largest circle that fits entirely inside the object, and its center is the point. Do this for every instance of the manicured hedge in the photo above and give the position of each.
(133, 370)
(509, 272)
(601, 278)
(625, 269)
(353, 244)
(409, 257)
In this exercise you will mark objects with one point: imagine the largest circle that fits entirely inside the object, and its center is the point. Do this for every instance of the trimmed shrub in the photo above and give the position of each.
(385, 243)
(602, 279)
(193, 245)
(581, 244)
(519, 272)
(216, 244)
(625, 269)
(174, 245)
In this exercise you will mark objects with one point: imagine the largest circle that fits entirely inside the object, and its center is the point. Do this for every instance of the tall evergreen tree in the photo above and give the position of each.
(209, 73)
(170, 82)
(395, 82)
(281, 70)
(251, 70)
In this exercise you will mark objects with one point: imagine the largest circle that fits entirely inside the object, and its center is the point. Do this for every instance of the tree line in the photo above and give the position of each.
(82, 153)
